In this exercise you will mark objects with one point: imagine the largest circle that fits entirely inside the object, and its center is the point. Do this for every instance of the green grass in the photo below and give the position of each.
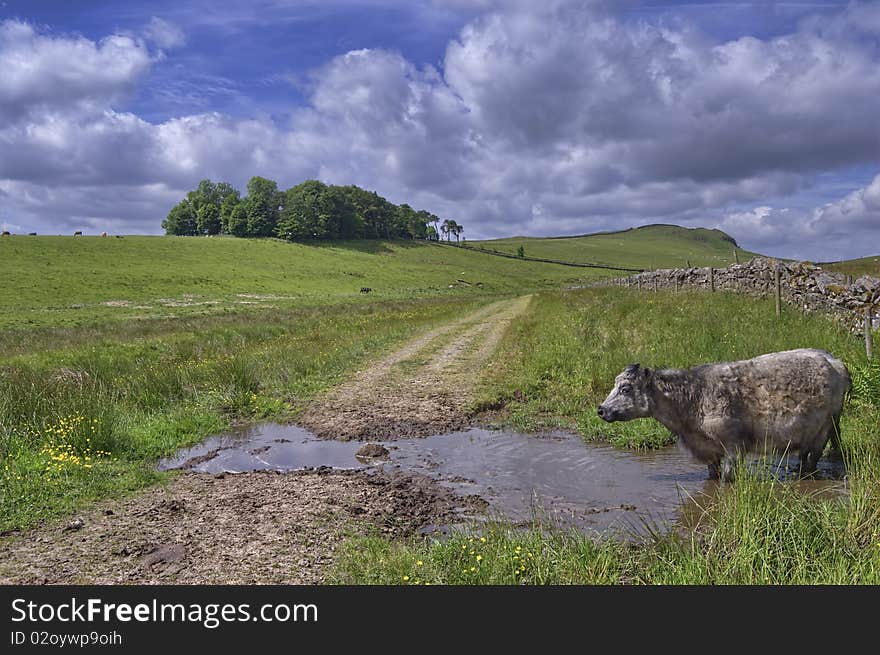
(856, 267)
(649, 247)
(62, 282)
(558, 362)
(88, 420)
(754, 532)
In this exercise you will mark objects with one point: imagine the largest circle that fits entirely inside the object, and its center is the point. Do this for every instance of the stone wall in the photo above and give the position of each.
(802, 284)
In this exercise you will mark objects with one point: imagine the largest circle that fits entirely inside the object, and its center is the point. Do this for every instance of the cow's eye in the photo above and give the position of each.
(625, 388)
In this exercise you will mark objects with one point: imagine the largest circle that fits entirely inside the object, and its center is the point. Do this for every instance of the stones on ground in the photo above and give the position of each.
(164, 554)
(76, 524)
(372, 451)
(239, 529)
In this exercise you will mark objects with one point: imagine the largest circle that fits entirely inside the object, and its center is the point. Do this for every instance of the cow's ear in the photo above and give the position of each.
(648, 374)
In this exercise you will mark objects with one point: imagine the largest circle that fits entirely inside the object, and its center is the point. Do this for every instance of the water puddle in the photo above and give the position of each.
(556, 477)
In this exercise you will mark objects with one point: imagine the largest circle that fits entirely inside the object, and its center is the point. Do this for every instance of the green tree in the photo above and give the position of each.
(351, 225)
(181, 220)
(262, 203)
(375, 212)
(520, 252)
(208, 218)
(309, 213)
(229, 204)
(237, 222)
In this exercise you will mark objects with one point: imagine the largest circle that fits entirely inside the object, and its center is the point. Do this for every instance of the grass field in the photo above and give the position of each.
(72, 281)
(89, 420)
(649, 247)
(863, 266)
(560, 361)
(115, 352)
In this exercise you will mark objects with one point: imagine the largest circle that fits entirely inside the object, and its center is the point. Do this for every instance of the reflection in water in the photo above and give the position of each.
(557, 478)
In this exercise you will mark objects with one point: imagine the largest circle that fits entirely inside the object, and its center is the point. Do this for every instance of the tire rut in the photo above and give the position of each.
(423, 388)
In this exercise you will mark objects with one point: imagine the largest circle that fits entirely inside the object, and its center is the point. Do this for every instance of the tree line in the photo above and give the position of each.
(308, 211)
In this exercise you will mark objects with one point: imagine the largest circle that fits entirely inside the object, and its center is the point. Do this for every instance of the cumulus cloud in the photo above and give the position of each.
(43, 73)
(544, 118)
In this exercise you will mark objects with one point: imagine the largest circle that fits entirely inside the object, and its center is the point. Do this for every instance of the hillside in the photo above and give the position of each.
(863, 266)
(649, 247)
(61, 281)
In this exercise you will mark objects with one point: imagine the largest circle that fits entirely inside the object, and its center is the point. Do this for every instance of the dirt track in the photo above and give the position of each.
(250, 528)
(421, 389)
(281, 528)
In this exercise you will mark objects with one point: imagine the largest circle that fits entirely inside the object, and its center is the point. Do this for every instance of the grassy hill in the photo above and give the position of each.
(863, 266)
(648, 247)
(64, 281)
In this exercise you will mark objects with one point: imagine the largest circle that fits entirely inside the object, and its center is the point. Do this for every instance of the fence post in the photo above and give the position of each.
(869, 324)
(778, 290)
(735, 256)
(849, 280)
(640, 283)
(655, 285)
(677, 284)
(712, 279)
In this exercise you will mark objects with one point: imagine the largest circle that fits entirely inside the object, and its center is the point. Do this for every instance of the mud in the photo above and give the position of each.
(552, 478)
(424, 388)
(254, 528)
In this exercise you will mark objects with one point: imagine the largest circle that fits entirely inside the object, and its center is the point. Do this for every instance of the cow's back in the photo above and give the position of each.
(789, 396)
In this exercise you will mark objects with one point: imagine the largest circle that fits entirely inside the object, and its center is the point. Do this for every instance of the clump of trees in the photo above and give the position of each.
(308, 211)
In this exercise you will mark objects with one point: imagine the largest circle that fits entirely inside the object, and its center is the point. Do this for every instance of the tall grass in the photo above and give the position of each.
(558, 362)
(89, 420)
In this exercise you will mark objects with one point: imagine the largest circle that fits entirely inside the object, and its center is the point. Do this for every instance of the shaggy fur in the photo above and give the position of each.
(782, 402)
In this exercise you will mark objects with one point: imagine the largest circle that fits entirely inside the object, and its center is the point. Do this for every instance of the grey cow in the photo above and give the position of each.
(782, 402)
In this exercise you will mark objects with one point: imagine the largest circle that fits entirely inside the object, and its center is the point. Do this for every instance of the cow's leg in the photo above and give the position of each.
(809, 459)
(714, 470)
(813, 450)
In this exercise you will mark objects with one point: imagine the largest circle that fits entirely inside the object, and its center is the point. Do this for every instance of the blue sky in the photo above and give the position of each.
(513, 117)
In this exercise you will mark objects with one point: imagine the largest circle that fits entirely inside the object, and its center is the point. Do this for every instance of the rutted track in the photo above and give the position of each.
(281, 528)
(421, 389)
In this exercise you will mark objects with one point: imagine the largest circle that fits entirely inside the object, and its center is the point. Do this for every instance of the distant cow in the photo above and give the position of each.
(782, 402)
(365, 289)
(77, 233)
(6, 233)
(103, 234)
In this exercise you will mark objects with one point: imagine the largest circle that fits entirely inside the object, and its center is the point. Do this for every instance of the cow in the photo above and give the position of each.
(780, 402)
(77, 233)
(366, 289)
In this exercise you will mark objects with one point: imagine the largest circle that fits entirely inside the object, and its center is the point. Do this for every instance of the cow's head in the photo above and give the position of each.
(630, 398)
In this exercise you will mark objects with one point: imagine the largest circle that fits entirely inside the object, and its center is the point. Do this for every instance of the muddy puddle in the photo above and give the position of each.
(557, 478)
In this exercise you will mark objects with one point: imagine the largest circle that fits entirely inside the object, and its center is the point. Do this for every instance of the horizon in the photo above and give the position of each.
(567, 119)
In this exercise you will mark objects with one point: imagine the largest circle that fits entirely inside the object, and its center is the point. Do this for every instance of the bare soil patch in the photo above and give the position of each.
(251, 528)
(424, 388)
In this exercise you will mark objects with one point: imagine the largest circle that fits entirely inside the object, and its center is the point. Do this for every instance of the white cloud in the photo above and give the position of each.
(599, 121)
(164, 34)
(46, 73)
